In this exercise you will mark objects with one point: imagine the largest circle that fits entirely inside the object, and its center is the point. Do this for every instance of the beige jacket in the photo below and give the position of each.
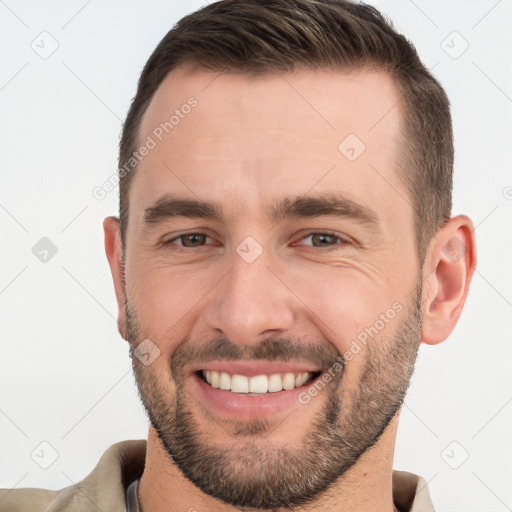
(105, 487)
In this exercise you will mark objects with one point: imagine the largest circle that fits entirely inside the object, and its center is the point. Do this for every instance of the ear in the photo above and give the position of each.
(448, 270)
(113, 250)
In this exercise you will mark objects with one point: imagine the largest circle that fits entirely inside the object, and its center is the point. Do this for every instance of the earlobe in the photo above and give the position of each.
(449, 269)
(113, 251)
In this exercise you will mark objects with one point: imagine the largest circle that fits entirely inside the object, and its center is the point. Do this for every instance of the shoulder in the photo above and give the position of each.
(119, 465)
(17, 500)
(410, 492)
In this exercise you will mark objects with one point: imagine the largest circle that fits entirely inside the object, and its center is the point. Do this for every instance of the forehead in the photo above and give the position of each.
(227, 136)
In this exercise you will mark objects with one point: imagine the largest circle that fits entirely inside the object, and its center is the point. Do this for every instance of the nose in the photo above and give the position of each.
(250, 303)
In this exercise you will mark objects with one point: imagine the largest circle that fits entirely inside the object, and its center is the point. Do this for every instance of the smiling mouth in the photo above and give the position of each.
(256, 384)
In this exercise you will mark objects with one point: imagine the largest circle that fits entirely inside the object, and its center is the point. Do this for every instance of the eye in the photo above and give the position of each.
(189, 240)
(325, 239)
(317, 239)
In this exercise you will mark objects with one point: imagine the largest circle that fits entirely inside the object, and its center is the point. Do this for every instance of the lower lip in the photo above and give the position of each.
(242, 406)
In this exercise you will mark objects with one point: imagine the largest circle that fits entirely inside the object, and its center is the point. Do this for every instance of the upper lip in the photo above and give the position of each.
(252, 368)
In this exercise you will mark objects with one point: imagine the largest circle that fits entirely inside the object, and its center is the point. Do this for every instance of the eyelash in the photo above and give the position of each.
(180, 248)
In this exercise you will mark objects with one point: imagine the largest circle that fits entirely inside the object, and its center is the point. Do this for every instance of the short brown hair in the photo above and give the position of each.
(255, 37)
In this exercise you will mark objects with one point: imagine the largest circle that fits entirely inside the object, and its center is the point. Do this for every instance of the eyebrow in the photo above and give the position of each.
(306, 206)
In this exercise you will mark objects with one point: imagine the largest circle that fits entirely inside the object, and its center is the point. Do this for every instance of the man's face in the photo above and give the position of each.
(305, 266)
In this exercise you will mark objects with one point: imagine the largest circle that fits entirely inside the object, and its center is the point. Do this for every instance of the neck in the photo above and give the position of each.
(366, 486)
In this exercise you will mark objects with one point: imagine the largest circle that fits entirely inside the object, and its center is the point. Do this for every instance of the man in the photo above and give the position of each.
(285, 243)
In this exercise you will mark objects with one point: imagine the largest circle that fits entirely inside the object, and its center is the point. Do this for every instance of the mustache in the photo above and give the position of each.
(322, 354)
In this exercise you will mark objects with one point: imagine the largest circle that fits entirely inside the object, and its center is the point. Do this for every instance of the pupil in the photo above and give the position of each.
(322, 239)
(195, 239)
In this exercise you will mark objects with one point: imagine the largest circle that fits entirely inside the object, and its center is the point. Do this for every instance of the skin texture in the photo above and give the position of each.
(247, 144)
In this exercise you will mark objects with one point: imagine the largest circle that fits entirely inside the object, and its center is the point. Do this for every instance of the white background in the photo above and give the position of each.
(65, 374)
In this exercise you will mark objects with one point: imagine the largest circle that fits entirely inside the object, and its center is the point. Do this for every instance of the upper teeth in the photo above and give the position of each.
(257, 384)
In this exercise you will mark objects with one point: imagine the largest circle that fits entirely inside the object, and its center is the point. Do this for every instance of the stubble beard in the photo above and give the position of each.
(252, 473)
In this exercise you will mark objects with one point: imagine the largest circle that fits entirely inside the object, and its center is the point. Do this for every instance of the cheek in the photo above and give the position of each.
(155, 382)
(357, 312)
(350, 306)
(166, 299)
(347, 305)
